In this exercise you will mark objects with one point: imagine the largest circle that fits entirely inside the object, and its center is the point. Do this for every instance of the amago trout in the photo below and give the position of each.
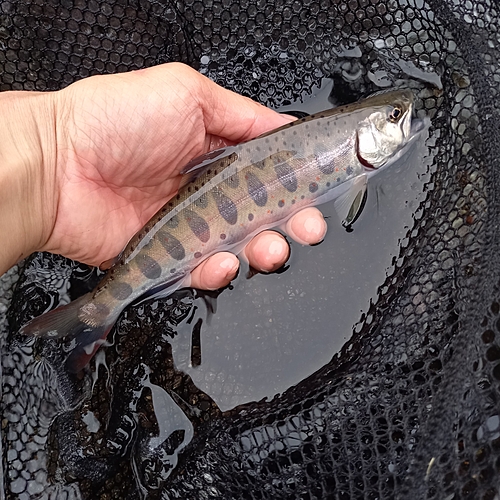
(232, 194)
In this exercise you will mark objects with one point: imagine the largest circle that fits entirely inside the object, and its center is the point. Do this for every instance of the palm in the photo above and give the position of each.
(128, 145)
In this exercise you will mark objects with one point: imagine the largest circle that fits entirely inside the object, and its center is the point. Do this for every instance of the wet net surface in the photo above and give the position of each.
(410, 407)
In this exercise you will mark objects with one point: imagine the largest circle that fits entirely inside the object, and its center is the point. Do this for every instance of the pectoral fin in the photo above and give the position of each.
(349, 204)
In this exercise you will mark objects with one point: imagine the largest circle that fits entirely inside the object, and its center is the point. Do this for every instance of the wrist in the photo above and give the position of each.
(28, 195)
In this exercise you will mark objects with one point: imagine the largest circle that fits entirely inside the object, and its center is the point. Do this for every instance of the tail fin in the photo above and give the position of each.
(64, 322)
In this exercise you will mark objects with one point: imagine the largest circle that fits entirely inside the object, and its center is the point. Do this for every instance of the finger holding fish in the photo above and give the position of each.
(266, 252)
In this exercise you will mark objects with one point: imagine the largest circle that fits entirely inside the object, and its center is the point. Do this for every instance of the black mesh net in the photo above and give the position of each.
(410, 406)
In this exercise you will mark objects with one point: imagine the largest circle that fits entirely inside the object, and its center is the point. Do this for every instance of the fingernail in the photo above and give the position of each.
(313, 226)
(227, 263)
(276, 248)
(230, 266)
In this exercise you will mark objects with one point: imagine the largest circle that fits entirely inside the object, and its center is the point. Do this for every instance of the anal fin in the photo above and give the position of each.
(349, 204)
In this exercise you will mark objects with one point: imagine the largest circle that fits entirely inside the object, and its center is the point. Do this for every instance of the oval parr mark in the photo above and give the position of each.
(198, 225)
(201, 202)
(173, 222)
(148, 266)
(226, 207)
(256, 189)
(286, 176)
(232, 181)
(172, 245)
(119, 290)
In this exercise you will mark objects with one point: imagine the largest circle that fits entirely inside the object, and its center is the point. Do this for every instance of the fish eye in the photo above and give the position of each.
(395, 114)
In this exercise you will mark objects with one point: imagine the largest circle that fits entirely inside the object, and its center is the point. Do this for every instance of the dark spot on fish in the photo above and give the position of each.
(302, 197)
(327, 184)
(120, 290)
(197, 255)
(172, 271)
(225, 206)
(293, 202)
(222, 236)
(209, 172)
(250, 217)
(313, 187)
(202, 201)
(281, 203)
(198, 225)
(178, 197)
(267, 140)
(286, 175)
(189, 189)
(173, 222)
(260, 164)
(148, 266)
(349, 170)
(171, 244)
(256, 189)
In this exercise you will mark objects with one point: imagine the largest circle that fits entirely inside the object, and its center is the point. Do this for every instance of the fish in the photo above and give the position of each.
(230, 194)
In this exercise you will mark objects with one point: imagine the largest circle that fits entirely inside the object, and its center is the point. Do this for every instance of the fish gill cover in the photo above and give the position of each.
(409, 406)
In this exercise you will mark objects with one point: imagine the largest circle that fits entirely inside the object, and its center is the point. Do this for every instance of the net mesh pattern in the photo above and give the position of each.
(410, 407)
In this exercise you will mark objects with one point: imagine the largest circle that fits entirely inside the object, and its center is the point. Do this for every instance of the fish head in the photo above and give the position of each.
(387, 129)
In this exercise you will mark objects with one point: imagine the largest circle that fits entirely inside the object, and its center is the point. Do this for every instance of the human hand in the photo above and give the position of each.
(110, 152)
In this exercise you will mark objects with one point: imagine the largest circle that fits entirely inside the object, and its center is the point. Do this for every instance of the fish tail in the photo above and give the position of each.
(66, 322)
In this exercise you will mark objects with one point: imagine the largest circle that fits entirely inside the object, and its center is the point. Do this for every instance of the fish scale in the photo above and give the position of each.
(229, 195)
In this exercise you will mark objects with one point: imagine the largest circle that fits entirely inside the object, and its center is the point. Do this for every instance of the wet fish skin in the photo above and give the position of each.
(234, 193)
